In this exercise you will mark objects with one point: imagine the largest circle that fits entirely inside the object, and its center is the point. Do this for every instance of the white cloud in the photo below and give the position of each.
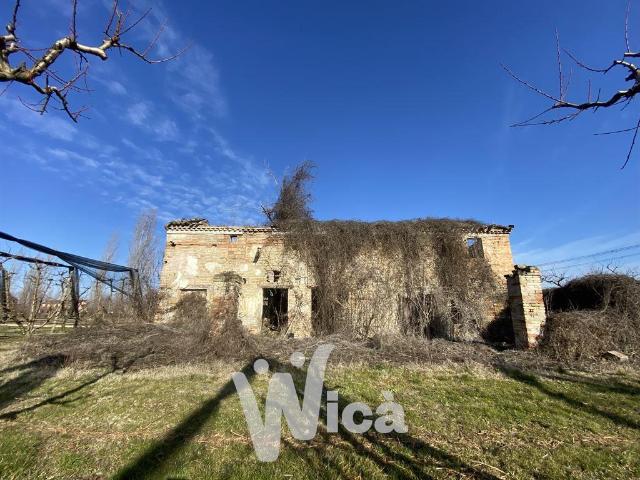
(73, 157)
(194, 80)
(574, 248)
(51, 124)
(195, 83)
(199, 173)
(115, 87)
(138, 113)
(256, 175)
(166, 129)
(143, 115)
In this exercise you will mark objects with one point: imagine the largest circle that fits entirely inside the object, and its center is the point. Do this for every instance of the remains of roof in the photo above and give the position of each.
(203, 225)
(494, 229)
(187, 223)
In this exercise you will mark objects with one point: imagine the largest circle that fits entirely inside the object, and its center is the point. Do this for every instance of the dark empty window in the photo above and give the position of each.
(233, 238)
(201, 292)
(315, 301)
(273, 276)
(474, 247)
(275, 308)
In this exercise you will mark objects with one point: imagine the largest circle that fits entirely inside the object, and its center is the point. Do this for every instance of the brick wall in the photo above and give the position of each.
(496, 248)
(527, 305)
(196, 259)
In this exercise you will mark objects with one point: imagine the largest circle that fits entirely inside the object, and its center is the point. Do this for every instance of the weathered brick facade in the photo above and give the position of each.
(200, 259)
(527, 305)
(203, 258)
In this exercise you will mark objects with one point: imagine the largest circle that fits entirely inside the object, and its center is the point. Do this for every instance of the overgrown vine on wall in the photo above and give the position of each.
(418, 272)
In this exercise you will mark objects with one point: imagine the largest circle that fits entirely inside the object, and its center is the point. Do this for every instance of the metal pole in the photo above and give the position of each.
(4, 295)
(74, 285)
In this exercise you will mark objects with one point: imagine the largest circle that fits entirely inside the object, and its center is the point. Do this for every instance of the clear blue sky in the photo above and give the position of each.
(403, 106)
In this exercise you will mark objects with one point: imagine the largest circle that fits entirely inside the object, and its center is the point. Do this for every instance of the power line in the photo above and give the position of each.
(600, 260)
(597, 254)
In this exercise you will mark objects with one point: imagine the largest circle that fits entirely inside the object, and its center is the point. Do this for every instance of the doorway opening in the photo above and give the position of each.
(275, 308)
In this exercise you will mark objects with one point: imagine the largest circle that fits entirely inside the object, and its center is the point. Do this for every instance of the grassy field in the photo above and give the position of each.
(186, 422)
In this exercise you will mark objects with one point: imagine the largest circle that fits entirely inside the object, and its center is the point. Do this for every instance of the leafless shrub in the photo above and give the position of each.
(42, 295)
(293, 200)
(591, 315)
(365, 270)
(193, 317)
(194, 335)
(617, 292)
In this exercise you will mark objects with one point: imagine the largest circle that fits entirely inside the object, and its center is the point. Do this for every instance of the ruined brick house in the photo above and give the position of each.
(272, 288)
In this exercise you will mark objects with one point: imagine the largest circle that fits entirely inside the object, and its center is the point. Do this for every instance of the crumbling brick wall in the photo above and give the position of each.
(197, 254)
(527, 305)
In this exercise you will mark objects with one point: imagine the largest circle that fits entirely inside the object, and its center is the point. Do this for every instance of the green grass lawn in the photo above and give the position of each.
(186, 422)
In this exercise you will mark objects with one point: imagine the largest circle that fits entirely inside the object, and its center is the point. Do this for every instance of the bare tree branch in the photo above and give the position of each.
(559, 64)
(561, 101)
(40, 74)
(11, 28)
(633, 142)
(626, 26)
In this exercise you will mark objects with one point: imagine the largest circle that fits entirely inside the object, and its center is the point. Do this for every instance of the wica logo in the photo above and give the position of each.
(282, 399)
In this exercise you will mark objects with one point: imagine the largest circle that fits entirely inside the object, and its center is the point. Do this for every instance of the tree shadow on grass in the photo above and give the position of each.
(59, 399)
(398, 455)
(174, 441)
(395, 455)
(28, 377)
(34, 373)
(532, 380)
(609, 384)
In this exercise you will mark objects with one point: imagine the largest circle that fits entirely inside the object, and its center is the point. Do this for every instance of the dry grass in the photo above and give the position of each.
(194, 335)
(465, 421)
(134, 347)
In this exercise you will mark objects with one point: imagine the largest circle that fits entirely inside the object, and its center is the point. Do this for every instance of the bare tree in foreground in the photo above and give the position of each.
(98, 285)
(31, 67)
(144, 256)
(562, 109)
(37, 304)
